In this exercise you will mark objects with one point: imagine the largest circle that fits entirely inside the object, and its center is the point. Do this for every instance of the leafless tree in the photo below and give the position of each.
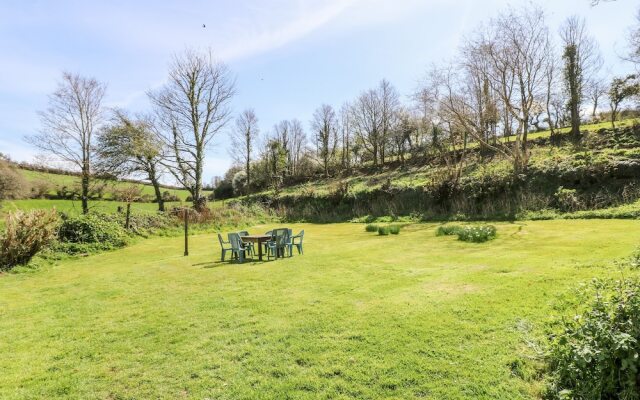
(298, 145)
(324, 125)
(69, 123)
(519, 50)
(596, 89)
(346, 135)
(243, 138)
(634, 43)
(367, 122)
(389, 104)
(582, 61)
(193, 106)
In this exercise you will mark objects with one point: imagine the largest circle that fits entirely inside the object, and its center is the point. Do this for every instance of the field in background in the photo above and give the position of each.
(57, 180)
(358, 316)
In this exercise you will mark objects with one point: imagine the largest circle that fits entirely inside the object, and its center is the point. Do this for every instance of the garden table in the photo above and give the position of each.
(259, 239)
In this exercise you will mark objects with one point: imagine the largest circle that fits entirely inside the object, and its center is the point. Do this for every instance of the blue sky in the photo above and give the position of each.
(289, 56)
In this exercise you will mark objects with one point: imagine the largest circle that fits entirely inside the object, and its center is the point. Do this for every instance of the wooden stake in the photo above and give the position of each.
(186, 232)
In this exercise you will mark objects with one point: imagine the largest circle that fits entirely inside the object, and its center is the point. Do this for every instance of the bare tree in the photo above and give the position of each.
(581, 62)
(519, 51)
(595, 90)
(324, 125)
(346, 135)
(389, 103)
(131, 146)
(68, 125)
(243, 139)
(193, 106)
(298, 145)
(634, 42)
(367, 122)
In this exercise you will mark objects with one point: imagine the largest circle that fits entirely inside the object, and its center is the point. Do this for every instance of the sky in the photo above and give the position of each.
(288, 56)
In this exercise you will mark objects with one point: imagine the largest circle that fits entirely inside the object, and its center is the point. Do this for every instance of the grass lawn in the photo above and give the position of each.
(358, 316)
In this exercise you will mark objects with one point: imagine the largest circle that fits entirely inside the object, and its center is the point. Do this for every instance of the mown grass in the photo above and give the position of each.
(358, 316)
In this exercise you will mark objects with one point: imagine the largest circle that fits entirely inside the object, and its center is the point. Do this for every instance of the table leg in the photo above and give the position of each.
(260, 249)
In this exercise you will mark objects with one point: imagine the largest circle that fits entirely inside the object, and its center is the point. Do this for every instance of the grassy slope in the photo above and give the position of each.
(358, 316)
(413, 176)
(57, 180)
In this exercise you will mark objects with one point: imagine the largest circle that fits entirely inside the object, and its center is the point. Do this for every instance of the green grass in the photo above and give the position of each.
(358, 316)
(56, 180)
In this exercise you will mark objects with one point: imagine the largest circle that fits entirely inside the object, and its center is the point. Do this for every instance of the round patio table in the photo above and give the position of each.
(259, 239)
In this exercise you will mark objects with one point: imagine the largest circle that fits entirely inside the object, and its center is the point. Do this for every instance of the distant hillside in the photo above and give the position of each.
(601, 171)
(57, 181)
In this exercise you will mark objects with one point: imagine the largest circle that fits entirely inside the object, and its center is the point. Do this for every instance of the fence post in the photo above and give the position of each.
(186, 232)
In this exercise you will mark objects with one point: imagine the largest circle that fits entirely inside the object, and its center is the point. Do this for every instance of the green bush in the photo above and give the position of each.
(394, 229)
(477, 233)
(448, 230)
(26, 234)
(567, 200)
(383, 230)
(594, 355)
(100, 231)
(371, 228)
(634, 260)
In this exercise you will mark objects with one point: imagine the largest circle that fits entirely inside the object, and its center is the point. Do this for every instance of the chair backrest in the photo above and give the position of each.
(281, 236)
(243, 233)
(234, 238)
(301, 235)
(269, 233)
(289, 232)
(222, 242)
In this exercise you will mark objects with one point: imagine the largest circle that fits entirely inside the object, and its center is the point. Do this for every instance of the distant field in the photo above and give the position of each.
(56, 180)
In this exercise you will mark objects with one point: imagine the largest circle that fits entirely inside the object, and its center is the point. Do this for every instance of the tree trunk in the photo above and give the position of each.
(85, 188)
(158, 192)
(128, 217)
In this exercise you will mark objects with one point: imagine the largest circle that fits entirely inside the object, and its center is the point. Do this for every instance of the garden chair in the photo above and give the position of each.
(278, 244)
(250, 244)
(238, 248)
(225, 245)
(300, 237)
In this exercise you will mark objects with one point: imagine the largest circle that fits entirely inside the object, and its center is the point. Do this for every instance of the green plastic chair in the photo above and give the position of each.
(224, 248)
(278, 244)
(300, 237)
(238, 248)
(250, 244)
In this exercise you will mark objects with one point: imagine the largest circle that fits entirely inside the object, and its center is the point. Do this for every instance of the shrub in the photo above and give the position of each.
(634, 260)
(595, 354)
(12, 183)
(477, 233)
(394, 229)
(40, 189)
(371, 228)
(383, 230)
(101, 231)
(567, 200)
(448, 230)
(26, 234)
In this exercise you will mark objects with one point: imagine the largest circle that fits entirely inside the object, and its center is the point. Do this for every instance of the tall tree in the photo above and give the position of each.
(243, 138)
(192, 107)
(367, 122)
(130, 146)
(519, 50)
(581, 62)
(69, 123)
(324, 125)
(389, 103)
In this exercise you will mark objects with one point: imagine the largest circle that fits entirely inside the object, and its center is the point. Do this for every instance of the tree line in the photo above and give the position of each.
(511, 76)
